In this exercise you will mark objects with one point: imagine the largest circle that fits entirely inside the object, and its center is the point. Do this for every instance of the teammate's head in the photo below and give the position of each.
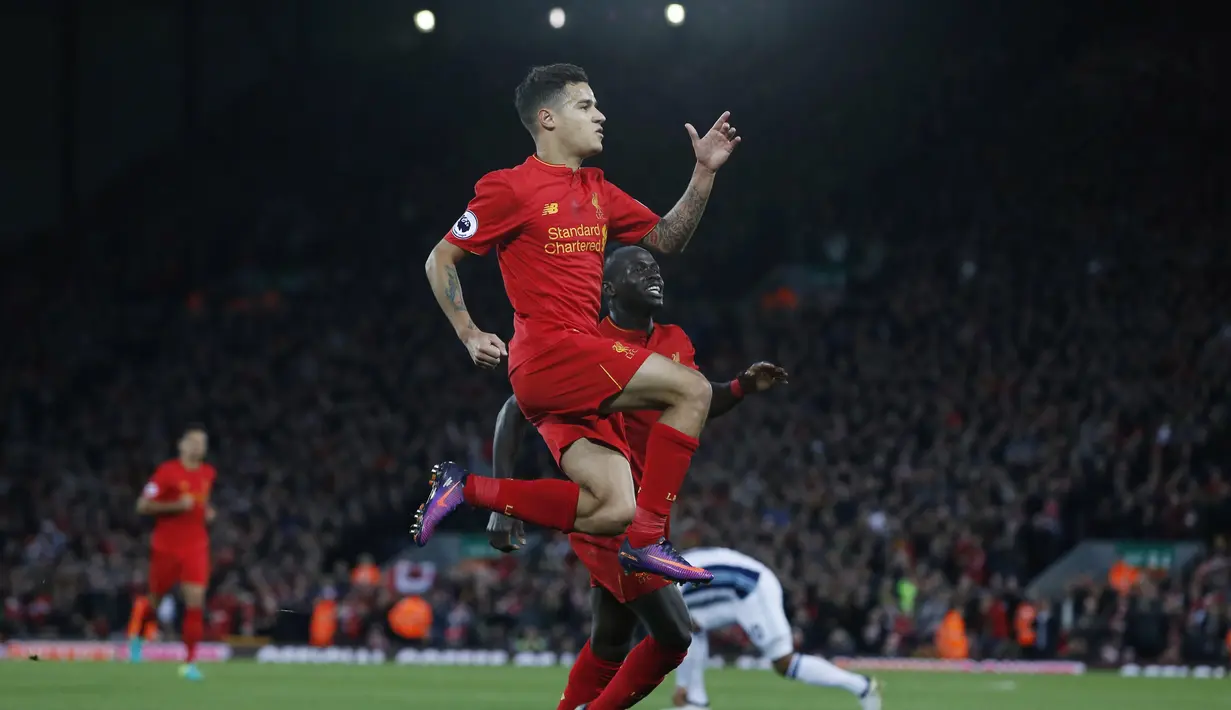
(632, 281)
(558, 107)
(194, 442)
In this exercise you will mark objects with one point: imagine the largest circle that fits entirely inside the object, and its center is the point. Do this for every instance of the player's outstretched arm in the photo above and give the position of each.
(149, 506)
(485, 349)
(507, 534)
(757, 378)
(676, 227)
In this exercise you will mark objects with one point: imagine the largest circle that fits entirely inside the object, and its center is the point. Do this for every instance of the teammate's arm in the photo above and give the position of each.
(758, 378)
(725, 396)
(507, 534)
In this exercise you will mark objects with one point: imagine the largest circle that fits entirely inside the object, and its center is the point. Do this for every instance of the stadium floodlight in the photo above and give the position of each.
(556, 17)
(675, 14)
(425, 20)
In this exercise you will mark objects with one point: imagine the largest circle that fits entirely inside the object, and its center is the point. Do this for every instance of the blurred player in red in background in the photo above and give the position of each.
(606, 674)
(549, 220)
(178, 497)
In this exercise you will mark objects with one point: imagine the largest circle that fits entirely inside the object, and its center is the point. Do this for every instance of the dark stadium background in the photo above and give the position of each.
(990, 243)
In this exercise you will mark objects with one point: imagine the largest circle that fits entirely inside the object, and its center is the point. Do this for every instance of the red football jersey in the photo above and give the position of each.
(666, 340)
(549, 225)
(169, 483)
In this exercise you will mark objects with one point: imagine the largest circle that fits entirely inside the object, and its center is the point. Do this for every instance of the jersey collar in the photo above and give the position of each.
(535, 161)
(638, 334)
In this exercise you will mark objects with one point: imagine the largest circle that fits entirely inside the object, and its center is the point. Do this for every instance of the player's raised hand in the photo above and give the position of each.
(717, 144)
(485, 349)
(187, 502)
(762, 376)
(506, 534)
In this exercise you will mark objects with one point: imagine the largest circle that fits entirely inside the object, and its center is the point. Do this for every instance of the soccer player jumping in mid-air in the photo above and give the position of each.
(178, 496)
(606, 674)
(549, 220)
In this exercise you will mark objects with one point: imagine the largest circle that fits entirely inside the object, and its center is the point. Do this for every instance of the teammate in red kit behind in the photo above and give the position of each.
(549, 220)
(606, 674)
(178, 496)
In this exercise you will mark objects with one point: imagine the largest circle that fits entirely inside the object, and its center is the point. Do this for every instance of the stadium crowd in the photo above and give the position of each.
(997, 352)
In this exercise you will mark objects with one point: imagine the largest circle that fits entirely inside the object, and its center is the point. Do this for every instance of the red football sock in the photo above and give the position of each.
(590, 674)
(641, 673)
(194, 629)
(549, 502)
(668, 452)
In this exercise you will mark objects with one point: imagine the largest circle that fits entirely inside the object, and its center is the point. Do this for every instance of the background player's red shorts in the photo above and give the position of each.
(561, 389)
(601, 558)
(171, 567)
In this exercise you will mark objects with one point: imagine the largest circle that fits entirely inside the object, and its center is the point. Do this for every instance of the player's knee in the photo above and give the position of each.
(782, 666)
(609, 650)
(613, 517)
(676, 636)
(695, 391)
(194, 595)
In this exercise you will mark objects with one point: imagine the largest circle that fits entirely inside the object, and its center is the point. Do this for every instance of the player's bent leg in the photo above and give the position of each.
(815, 670)
(611, 636)
(684, 394)
(665, 616)
(165, 570)
(607, 500)
(642, 671)
(549, 502)
(663, 612)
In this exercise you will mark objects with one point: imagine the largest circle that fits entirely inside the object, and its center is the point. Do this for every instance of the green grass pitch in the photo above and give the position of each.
(26, 685)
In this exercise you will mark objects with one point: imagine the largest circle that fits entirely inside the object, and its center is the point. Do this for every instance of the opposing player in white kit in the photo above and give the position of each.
(746, 592)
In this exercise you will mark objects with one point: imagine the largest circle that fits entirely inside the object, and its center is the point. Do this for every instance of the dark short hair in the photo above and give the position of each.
(542, 87)
(194, 426)
(618, 258)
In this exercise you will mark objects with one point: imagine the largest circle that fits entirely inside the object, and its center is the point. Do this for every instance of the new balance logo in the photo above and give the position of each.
(551, 208)
(671, 497)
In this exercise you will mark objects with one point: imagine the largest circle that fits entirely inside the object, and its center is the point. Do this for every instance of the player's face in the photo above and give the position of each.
(193, 445)
(641, 285)
(578, 122)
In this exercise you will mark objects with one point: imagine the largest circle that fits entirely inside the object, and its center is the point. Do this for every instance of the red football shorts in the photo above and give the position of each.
(171, 567)
(561, 389)
(601, 558)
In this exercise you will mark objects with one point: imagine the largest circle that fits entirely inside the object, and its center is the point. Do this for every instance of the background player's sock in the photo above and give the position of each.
(589, 675)
(641, 673)
(668, 453)
(691, 674)
(815, 670)
(549, 502)
(194, 629)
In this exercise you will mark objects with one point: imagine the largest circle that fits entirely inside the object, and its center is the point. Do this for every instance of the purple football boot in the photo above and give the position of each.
(447, 481)
(661, 559)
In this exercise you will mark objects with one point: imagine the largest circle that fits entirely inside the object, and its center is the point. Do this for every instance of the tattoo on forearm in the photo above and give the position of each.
(453, 289)
(677, 226)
